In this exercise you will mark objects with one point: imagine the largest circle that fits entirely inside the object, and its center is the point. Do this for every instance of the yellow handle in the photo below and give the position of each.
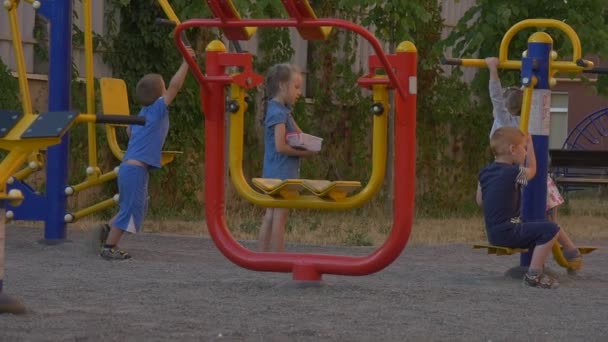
(551, 23)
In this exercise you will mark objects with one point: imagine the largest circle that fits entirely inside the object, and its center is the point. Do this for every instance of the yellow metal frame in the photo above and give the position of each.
(549, 23)
(164, 4)
(379, 155)
(90, 90)
(110, 202)
(19, 149)
(526, 106)
(563, 66)
(26, 101)
(325, 30)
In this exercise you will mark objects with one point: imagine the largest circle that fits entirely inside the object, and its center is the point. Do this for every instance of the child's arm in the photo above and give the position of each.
(282, 145)
(478, 197)
(531, 158)
(298, 129)
(177, 81)
(500, 112)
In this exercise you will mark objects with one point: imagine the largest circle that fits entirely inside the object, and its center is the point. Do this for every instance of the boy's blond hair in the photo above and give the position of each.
(149, 89)
(513, 100)
(503, 138)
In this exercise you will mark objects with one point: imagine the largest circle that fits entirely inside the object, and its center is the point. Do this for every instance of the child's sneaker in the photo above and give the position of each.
(99, 236)
(114, 254)
(541, 280)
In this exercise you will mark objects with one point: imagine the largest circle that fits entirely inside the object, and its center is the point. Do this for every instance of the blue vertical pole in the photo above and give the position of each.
(59, 13)
(536, 64)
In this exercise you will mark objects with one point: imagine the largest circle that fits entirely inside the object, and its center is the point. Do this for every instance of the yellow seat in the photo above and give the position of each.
(115, 101)
(225, 10)
(301, 10)
(498, 250)
(288, 189)
(336, 190)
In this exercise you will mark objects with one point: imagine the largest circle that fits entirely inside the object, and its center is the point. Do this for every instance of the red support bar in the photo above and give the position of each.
(287, 23)
(305, 266)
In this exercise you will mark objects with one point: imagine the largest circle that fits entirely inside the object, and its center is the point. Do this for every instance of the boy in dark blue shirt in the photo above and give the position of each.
(499, 192)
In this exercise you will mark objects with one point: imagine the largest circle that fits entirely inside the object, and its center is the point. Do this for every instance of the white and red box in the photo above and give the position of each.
(304, 141)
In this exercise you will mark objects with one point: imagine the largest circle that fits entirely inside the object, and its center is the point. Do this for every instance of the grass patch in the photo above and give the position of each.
(370, 226)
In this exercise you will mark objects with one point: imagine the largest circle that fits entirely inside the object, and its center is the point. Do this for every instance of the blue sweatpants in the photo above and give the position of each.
(133, 197)
(522, 235)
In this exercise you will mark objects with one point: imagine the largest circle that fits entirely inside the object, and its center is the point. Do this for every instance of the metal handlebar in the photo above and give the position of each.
(121, 119)
(112, 119)
(479, 63)
(172, 24)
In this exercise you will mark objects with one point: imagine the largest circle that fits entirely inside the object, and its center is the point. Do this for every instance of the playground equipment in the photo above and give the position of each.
(399, 73)
(114, 101)
(538, 65)
(24, 134)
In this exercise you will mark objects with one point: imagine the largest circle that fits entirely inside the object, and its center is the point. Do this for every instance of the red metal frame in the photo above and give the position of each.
(305, 266)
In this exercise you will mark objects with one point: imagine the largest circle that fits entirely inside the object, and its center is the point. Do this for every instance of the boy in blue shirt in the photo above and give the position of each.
(143, 153)
(499, 192)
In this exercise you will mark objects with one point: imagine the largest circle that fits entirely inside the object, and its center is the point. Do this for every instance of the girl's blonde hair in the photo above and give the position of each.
(279, 74)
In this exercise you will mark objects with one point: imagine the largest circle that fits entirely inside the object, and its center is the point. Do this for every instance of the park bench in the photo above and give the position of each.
(576, 169)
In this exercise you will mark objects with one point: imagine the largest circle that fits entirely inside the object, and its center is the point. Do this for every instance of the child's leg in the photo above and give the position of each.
(265, 231)
(565, 241)
(277, 238)
(114, 236)
(540, 254)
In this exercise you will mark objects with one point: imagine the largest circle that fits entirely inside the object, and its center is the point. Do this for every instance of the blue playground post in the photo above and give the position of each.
(59, 14)
(536, 65)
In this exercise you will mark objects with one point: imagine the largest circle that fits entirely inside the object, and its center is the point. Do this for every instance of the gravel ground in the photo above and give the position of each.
(182, 289)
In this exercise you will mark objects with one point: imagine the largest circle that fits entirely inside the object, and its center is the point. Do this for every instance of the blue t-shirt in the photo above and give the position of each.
(146, 142)
(278, 165)
(501, 186)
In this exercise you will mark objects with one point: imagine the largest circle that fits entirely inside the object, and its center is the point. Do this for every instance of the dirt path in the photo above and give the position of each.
(183, 289)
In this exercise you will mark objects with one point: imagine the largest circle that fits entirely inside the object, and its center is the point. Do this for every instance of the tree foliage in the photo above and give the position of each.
(481, 29)
(339, 110)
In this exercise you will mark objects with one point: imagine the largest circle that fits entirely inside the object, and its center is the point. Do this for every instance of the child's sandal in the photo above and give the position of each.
(542, 281)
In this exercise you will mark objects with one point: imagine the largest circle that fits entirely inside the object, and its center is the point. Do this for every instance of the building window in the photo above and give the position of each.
(559, 120)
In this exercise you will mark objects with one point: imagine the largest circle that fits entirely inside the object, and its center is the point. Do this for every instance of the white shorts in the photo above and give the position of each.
(554, 198)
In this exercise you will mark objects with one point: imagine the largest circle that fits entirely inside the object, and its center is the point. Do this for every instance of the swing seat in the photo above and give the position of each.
(290, 188)
(498, 250)
(115, 101)
(336, 190)
(287, 189)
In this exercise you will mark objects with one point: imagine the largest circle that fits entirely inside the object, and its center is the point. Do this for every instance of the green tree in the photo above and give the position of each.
(9, 96)
(480, 30)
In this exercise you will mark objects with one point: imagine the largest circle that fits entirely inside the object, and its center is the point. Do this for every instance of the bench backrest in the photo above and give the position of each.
(578, 158)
